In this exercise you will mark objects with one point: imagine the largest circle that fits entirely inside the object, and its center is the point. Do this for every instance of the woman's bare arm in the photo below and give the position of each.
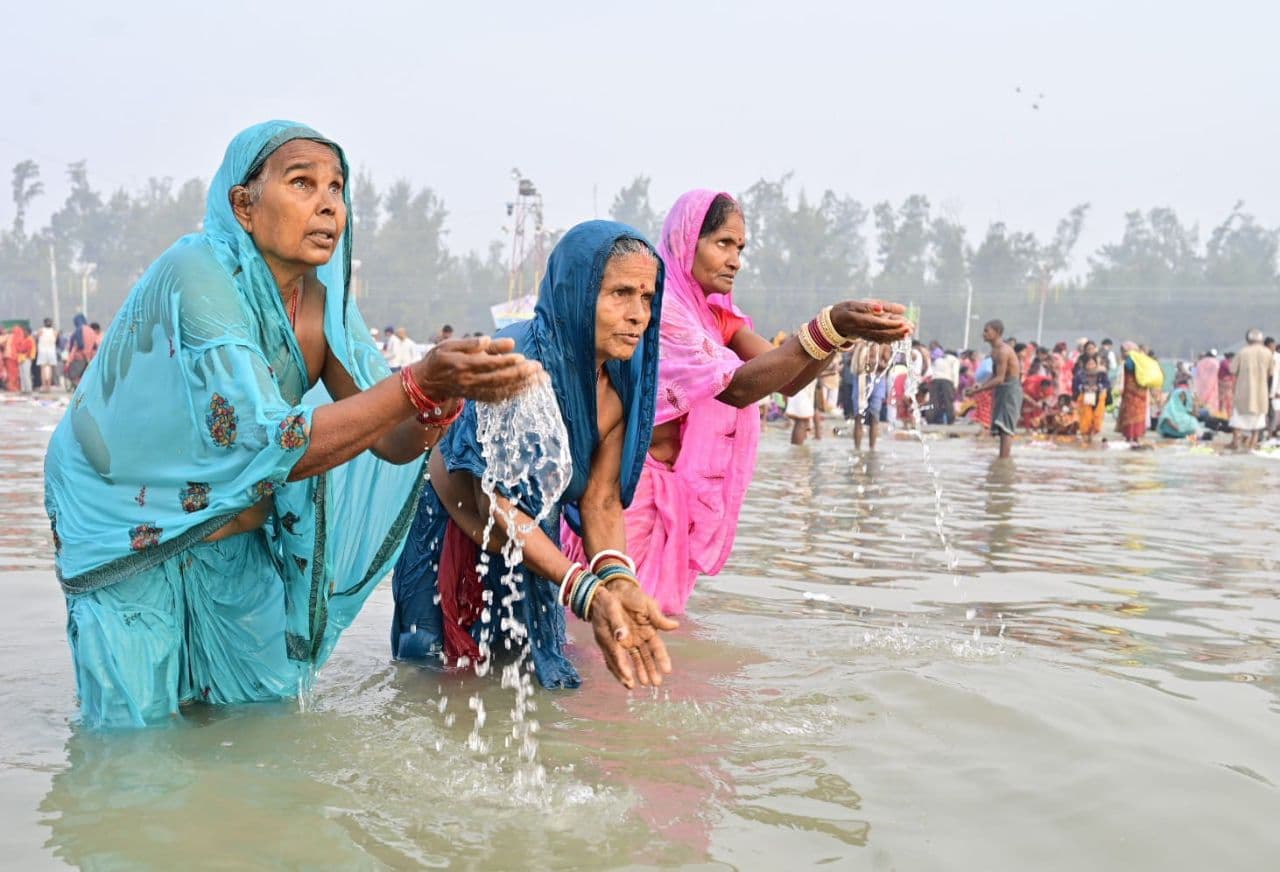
(789, 367)
(624, 620)
(358, 420)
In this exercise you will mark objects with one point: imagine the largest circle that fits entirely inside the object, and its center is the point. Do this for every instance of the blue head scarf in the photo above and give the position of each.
(194, 410)
(561, 336)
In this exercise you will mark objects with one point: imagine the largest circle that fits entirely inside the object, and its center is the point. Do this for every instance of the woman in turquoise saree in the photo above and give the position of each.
(200, 487)
(1177, 418)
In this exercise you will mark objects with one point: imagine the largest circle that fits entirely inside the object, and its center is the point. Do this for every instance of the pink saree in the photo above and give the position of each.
(683, 518)
(1207, 383)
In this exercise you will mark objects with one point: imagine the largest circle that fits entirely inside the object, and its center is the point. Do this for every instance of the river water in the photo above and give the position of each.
(1093, 687)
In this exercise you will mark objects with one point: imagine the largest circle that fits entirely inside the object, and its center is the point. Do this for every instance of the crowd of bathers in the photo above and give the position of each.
(1069, 390)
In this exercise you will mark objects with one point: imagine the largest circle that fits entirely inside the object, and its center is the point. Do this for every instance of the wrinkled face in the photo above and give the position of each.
(297, 219)
(624, 306)
(718, 258)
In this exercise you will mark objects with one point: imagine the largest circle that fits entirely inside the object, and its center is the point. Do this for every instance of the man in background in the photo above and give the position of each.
(1249, 407)
(1006, 381)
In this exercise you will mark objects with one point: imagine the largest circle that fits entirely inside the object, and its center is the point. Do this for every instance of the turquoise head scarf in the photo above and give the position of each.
(561, 337)
(194, 410)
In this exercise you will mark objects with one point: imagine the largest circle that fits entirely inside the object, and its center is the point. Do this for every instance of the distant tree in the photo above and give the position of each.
(1155, 252)
(948, 255)
(1004, 266)
(366, 204)
(26, 187)
(1241, 253)
(902, 247)
(485, 277)
(631, 206)
(799, 257)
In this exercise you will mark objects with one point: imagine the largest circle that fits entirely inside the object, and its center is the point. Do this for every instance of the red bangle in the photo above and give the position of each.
(430, 412)
(441, 423)
(815, 333)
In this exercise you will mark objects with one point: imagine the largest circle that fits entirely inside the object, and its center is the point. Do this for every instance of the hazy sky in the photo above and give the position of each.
(1145, 104)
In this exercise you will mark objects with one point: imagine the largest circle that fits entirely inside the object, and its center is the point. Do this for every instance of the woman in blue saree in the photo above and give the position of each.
(595, 332)
(199, 496)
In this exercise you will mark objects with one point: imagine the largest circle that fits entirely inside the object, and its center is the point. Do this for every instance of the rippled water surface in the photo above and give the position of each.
(1094, 686)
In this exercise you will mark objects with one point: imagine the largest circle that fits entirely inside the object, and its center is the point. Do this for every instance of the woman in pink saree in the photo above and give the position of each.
(713, 370)
(1207, 382)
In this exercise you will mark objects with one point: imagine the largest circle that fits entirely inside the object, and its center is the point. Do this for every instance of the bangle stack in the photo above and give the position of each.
(819, 337)
(578, 590)
(430, 413)
(624, 570)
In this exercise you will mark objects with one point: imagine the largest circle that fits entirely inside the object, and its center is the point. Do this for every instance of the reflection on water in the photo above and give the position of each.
(1101, 680)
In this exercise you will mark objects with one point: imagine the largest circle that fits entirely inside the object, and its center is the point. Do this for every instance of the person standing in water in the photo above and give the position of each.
(595, 332)
(1006, 381)
(215, 526)
(714, 369)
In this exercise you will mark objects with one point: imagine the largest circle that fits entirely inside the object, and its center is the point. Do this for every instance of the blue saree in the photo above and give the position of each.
(562, 337)
(196, 407)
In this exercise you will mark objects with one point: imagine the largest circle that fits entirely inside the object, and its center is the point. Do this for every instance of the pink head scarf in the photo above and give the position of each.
(717, 442)
(695, 363)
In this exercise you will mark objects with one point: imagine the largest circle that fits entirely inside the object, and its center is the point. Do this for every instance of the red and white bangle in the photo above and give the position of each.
(564, 582)
(616, 555)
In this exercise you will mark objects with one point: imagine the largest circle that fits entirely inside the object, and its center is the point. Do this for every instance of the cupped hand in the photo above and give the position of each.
(873, 320)
(626, 622)
(479, 368)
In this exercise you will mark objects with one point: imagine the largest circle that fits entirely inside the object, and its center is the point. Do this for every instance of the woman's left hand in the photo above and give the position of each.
(626, 622)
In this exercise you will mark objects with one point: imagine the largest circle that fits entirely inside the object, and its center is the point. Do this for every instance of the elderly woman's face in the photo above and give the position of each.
(718, 257)
(300, 214)
(625, 305)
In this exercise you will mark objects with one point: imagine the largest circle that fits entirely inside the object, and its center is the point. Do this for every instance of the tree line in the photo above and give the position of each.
(1159, 283)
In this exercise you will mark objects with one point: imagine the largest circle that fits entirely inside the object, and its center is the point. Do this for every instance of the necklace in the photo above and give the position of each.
(293, 309)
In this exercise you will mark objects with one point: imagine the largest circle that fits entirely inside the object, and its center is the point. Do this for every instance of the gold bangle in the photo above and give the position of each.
(828, 328)
(591, 598)
(806, 342)
(622, 577)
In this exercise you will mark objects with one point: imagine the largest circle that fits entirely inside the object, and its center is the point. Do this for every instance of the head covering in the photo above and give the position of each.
(194, 411)
(561, 336)
(76, 342)
(19, 341)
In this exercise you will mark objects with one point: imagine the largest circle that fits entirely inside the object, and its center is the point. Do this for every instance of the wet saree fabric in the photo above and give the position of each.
(562, 337)
(194, 410)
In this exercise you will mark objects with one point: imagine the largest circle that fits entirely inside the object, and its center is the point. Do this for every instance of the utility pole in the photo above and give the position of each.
(968, 313)
(1044, 292)
(53, 280)
(84, 288)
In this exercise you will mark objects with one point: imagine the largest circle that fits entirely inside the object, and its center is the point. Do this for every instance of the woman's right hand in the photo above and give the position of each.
(479, 368)
(873, 320)
(626, 621)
